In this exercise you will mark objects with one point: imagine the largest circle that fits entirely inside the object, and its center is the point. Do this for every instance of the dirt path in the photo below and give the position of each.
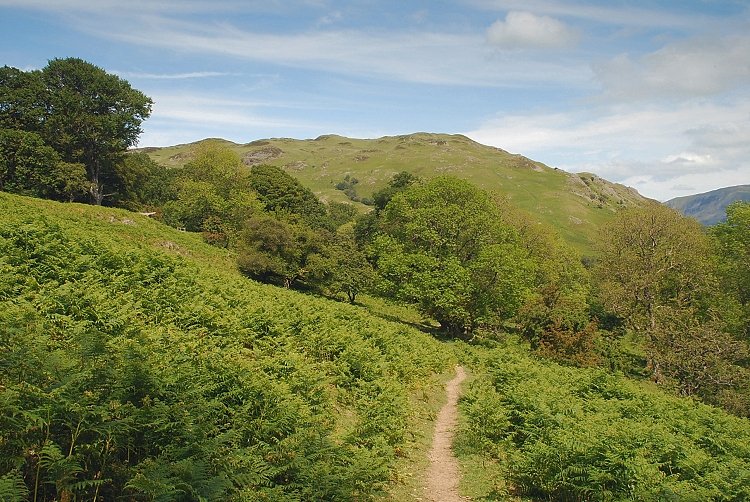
(443, 475)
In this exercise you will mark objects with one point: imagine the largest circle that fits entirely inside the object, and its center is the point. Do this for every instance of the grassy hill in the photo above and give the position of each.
(710, 208)
(136, 361)
(576, 204)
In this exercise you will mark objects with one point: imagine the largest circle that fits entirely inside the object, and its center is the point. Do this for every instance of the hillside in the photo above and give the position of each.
(576, 204)
(709, 208)
(137, 361)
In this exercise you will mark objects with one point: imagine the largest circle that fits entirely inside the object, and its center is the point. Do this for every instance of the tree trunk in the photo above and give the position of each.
(97, 189)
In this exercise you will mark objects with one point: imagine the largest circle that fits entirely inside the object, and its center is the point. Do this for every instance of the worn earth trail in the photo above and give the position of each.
(443, 474)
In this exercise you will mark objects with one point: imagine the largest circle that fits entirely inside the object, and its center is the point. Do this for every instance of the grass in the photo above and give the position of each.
(577, 205)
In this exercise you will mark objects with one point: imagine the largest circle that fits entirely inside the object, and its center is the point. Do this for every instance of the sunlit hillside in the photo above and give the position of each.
(576, 204)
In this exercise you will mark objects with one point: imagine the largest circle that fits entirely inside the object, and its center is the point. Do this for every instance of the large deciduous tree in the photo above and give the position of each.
(341, 267)
(92, 118)
(650, 258)
(444, 247)
(276, 251)
(88, 116)
(212, 193)
(656, 273)
(732, 239)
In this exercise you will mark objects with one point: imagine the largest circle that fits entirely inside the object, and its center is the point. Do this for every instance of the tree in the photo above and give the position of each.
(698, 355)
(655, 268)
(284, 195)
(342, 267)
(92, 118)
(443, 246)
(340, 213)
(22, 100)
(556, 319)
(88, 116)
(28, 166)
(138, 178)
(732, 244)
(213, 194)
(398, 183)
(276, 251)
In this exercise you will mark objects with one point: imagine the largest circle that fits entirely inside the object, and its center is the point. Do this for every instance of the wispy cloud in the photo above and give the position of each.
(140, 7)
(172, 76)
(652, 147)
(428, 57)
(622, 14)
(700, 66)
(183, 117)
(522, 30)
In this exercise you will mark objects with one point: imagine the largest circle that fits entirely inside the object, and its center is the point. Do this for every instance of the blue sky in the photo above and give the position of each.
(652, 94)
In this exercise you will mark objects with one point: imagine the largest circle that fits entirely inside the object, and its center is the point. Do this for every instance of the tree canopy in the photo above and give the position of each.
(443, 246)
(656, 273)
(85, 114)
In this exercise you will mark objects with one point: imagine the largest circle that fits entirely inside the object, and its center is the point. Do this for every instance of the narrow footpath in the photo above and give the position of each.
(443, 474)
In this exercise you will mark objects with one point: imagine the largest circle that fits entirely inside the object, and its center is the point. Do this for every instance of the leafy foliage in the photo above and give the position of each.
(30, 167)
(87, 116)
(341, 267)
(656, 274)
(732, 242)
(444, 247)
(276, 251)
(283, 194)
(585, 435)
(213, 195)
(132, 368)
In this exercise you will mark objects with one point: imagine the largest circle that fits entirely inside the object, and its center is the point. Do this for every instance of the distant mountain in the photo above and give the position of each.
(709, 208)
(575, 204)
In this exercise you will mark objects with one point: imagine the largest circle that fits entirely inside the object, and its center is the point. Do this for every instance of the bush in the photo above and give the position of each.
(583, 434)
(140, 372)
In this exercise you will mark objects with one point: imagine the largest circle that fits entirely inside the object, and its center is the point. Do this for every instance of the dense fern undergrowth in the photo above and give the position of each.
(136, 365)
(571, 434)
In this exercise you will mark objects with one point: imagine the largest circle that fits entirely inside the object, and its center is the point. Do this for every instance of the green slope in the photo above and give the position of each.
(136, 361)
(575, 204)
(710, 208)
(536, 429)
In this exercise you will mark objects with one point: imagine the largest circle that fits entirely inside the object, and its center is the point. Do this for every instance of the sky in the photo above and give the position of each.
(654, 94)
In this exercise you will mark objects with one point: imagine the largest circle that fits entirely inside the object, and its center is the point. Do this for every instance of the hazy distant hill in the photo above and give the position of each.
(709, 208)
(576, 204)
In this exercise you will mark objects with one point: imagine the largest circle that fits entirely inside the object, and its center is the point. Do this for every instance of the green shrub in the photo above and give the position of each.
(132, 366)
(580, 434)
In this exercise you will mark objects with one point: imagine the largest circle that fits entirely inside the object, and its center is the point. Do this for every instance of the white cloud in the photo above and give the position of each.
(696, 67)
(171, 76)
(688, 158)
(653, 148)
(521, 30)
(600, 12)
